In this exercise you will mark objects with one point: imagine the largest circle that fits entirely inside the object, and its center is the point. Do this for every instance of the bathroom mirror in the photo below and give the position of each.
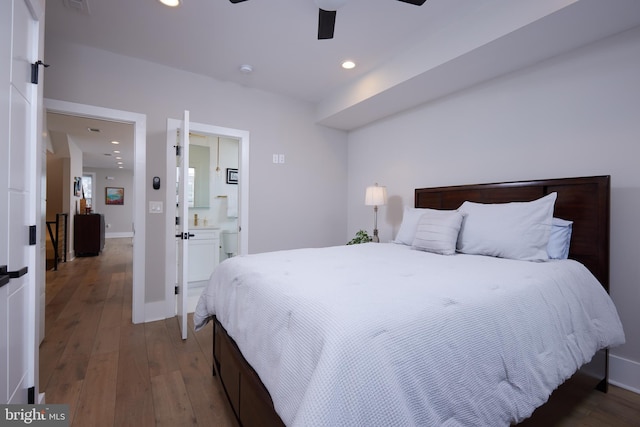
(199, 160)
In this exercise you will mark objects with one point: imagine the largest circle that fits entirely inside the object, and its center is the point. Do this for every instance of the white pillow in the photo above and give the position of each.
(560, 238)
(407, 231)
(437, 231)
(516, 230)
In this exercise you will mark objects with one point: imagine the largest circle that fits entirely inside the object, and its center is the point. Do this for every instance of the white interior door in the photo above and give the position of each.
(18, 120)
(182, 226)
(180, 211)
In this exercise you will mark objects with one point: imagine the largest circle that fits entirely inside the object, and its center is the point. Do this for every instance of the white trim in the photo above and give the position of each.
(118, 235)
(139, 212)
(154, 311)
(624, 373)
(243, 200)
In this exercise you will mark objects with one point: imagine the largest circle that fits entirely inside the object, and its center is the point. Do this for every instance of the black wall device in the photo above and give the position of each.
(156, 182)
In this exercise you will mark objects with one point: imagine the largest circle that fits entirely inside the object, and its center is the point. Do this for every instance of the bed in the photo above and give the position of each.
(358, 335)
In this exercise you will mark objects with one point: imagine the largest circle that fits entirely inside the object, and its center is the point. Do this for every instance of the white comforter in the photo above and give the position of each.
(381, 335)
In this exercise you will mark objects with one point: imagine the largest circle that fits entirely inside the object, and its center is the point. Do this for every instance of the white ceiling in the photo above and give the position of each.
(97, 147)
(277, 37)
(406, 55)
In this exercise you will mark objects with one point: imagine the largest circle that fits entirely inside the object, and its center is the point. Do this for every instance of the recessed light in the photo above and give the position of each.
(118, 158)
(246, 68)
(116, 151)
(170, 3)
(347, 65)
(115, 142)
(120, 163)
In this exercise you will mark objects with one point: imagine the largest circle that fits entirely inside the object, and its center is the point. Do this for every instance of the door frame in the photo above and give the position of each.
(139, 122)
(243, 197)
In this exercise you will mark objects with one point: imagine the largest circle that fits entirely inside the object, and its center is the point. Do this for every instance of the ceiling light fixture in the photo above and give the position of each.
(330, 4)
(347, 65)
(170, 3)
(246, 68)
(218, 170)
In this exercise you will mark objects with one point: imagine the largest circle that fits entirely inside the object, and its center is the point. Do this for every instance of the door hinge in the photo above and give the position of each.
(32, 235)
(176, 290)
(178, 150)
(31, 395)
(35, 69)
(177, 220)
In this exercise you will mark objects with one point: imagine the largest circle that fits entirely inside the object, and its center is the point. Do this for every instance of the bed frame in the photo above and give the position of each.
(583, 200)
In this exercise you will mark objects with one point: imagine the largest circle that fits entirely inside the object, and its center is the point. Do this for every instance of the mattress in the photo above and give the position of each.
(379, 334)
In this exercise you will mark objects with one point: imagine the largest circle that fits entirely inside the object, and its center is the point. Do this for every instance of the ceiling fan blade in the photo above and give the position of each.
(326, 24)
(416, 2)
(236, 1)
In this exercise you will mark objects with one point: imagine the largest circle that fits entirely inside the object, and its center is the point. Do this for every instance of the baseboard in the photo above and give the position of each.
(624, 373)
(118, 235)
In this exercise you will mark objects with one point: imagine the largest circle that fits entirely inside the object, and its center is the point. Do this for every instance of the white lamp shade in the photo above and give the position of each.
(375, 196)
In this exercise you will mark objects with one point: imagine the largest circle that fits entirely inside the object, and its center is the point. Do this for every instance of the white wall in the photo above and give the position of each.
(118, 219)
(215, 213)
(296, 204)
(72, 203)
(574, 115)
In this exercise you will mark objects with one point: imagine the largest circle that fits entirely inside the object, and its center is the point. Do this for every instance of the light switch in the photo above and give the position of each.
(155, 207)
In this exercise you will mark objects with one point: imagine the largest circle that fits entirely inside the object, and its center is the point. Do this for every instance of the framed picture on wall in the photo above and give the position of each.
(232, 176)
(114, 196)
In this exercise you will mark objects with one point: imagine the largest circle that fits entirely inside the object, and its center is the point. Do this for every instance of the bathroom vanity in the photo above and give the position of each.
(204, 252)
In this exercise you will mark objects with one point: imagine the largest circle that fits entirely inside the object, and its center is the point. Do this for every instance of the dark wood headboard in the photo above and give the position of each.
(584, 200)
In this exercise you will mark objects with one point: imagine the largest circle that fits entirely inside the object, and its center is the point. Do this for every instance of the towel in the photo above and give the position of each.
(232, 205)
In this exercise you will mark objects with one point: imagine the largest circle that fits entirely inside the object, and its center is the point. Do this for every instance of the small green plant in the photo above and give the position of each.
(361, 237)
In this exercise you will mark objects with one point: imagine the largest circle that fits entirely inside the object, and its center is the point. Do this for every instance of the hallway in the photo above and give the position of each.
(114, 373)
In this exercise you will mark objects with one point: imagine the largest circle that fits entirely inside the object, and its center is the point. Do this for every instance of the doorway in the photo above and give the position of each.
(139, 172)
(218, 137)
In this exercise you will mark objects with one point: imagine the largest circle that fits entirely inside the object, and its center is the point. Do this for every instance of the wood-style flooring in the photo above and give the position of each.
(114, 373)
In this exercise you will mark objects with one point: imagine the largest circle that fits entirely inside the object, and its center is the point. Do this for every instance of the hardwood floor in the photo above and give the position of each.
(114, 373)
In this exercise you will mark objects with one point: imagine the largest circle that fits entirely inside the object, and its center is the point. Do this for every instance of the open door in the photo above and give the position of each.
(178, 209)
(182, 222)
(20, 27)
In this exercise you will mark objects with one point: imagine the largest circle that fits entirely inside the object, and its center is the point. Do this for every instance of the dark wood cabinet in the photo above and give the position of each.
(88, 234)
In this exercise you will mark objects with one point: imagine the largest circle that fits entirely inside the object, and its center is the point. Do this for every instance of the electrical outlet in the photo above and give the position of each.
(275, 158)
(281, 158)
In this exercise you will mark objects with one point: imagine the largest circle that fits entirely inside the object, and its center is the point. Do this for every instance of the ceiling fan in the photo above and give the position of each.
(327, 14)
